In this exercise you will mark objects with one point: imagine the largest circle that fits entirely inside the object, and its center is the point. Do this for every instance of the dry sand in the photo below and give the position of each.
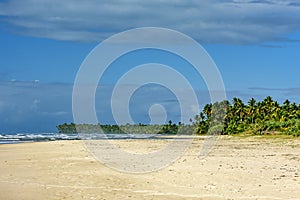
(237, 168)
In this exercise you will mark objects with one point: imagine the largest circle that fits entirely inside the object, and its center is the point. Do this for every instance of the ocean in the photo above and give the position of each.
(40, 137)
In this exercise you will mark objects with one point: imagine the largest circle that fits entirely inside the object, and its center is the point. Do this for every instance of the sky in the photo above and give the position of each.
(255, 45)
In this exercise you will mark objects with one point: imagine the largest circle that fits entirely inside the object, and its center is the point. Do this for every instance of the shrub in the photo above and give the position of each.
(216, 130)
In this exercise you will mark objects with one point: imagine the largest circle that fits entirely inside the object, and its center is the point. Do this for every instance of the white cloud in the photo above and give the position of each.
(35, 105)
(209, 21)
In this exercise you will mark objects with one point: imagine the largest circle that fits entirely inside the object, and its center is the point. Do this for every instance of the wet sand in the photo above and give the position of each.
(236, 168)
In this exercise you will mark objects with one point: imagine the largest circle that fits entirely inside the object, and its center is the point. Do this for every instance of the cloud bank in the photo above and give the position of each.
(208, 21)
(40, 107)
(33, 107)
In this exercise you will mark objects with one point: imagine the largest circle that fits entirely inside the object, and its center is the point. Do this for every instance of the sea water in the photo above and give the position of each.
(40, 137)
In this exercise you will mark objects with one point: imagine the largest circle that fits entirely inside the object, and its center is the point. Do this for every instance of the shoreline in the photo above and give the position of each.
(44, 137)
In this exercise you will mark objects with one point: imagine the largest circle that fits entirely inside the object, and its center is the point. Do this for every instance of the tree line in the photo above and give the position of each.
(170, 128)
(254, 117)
(225, 117)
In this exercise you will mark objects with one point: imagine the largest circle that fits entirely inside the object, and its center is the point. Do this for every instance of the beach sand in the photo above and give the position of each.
(236, 168)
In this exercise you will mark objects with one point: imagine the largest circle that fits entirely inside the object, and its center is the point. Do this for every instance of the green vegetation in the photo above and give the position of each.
(169, 128)
(259, 118)
(267, 117)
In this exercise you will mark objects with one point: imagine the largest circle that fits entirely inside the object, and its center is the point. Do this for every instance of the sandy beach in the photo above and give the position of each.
(236, 168)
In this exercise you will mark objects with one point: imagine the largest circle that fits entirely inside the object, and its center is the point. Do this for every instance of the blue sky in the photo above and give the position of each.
(255, 44)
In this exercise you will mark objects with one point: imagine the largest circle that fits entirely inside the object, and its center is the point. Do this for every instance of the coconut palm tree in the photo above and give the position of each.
(239, 109)
(251, 110)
